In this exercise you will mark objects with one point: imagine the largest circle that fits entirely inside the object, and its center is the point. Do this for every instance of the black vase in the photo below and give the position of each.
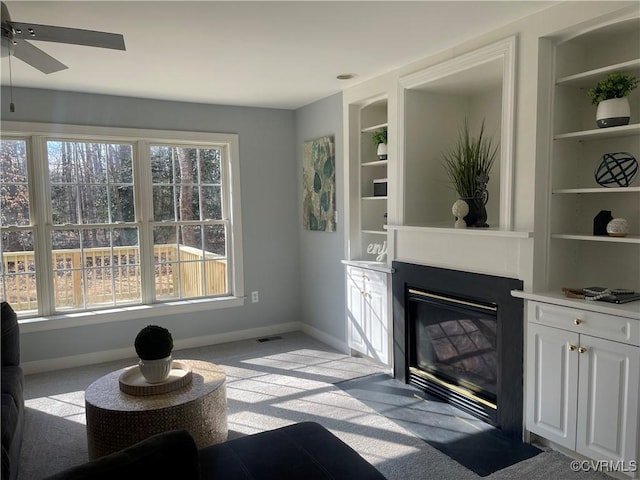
(477, 216)
(600, 222)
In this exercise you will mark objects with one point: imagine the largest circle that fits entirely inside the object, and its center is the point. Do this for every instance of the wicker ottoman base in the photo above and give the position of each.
(116, 420)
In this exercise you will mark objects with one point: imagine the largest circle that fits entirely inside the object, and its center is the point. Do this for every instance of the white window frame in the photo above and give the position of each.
(36, 135)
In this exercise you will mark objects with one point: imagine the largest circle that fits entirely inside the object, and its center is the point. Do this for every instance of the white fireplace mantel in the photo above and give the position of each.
(491, 251)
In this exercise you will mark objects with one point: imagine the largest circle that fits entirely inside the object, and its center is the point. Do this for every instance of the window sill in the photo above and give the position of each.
(133, 312)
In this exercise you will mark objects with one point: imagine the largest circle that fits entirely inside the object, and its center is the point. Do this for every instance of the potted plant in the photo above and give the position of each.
(468, 164)
(610, 95)
(153, 345)
(380, 139)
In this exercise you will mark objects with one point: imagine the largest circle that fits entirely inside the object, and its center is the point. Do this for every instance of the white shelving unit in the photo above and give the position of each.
(582, 356)
(368, 316)
(575, 256)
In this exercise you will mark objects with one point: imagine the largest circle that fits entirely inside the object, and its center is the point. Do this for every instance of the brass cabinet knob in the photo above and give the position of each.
(577, 321)
(582, 349)
(571, 347)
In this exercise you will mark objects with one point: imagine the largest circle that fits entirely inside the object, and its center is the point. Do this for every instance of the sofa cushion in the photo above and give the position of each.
(303, 451)
(166, 456)
(11, 418)
(9, 336)
(11, 383)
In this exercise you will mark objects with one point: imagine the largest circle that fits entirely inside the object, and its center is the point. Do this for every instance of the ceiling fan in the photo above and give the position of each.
(16, 38)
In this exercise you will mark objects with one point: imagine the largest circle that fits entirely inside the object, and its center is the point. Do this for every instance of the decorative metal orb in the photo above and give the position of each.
(616, 169)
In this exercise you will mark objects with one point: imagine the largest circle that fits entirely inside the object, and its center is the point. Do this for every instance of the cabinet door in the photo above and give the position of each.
(608, 400)
(375, 298)
(552, 382)
(355, 310)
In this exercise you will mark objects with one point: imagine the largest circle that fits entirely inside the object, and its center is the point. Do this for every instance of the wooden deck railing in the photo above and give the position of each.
(108, 273)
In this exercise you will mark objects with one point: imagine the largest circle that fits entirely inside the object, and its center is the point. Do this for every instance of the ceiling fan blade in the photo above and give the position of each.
(75, 36)
(36, 58)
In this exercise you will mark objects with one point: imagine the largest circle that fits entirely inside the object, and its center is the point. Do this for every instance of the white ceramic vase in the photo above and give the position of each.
(382, 151)
(618, 227)
(613, 112)
(155, 371)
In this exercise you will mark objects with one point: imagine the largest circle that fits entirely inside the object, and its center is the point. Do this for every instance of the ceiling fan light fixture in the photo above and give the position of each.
(30, 54)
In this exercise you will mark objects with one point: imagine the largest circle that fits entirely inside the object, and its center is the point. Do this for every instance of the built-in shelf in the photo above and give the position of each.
(379, 197)
(484, 232)
(597, 238)
(600, 133)
(587, 79)
(629, 310)
(598, 190)
(373, 128)
(377, 163)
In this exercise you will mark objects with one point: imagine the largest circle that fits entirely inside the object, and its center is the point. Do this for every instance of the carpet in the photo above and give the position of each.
(474, 444)
(269, 385)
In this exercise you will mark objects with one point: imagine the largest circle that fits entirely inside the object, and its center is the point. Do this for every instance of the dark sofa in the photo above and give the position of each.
(12, 380)
(303, 451)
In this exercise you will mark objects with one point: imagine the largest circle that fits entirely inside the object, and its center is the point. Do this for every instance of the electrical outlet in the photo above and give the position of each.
(255, 297)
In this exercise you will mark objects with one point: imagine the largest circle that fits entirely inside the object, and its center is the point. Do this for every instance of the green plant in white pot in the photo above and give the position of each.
(380, 139)
(610, 95)
(153, 345)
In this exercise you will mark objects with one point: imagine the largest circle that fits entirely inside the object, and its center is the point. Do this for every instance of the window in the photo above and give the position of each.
(104, 218)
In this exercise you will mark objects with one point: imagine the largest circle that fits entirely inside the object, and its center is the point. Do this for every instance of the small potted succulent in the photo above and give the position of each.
(380, 139)
(153, 345)
(610, 95)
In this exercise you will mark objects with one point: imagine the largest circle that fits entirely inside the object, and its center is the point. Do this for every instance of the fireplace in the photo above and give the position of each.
(458, 336)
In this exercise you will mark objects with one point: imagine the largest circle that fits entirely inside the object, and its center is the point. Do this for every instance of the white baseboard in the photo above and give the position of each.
(330, 340)
(72, 361)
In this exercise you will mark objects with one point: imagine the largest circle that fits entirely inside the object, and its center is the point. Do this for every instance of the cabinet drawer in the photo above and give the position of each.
(365, 277)
(611, 327)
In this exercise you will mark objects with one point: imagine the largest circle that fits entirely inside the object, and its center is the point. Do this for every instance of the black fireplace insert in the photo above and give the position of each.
(458, 336)
(453, 348)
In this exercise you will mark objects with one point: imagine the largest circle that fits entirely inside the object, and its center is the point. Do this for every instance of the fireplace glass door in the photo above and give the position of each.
(454, 340)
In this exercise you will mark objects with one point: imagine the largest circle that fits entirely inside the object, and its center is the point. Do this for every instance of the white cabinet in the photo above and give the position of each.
(582, 390)
(367, 315)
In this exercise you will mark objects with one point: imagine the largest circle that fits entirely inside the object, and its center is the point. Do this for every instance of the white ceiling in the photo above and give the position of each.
(266, 54)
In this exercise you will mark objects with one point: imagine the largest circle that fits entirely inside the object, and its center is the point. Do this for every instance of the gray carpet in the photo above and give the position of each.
(269, 384)
(478, 446)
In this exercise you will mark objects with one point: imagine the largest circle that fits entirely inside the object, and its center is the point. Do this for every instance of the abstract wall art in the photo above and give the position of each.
(319, 185)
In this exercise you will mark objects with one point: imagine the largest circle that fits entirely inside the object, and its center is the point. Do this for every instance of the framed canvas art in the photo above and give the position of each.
(319, 185)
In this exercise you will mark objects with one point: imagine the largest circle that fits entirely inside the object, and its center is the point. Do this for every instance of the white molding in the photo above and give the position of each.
(330, 340)
(123, 313)
(115, 133)
(60, 363)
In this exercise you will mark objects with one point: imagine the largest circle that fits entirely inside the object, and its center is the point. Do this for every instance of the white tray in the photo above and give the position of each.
(133, 382)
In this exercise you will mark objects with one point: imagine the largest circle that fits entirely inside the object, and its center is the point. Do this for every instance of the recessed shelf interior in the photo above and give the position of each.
(373, 209)
(435, 111)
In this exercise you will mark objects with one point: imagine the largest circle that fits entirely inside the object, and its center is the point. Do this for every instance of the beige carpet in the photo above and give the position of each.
(269, 384)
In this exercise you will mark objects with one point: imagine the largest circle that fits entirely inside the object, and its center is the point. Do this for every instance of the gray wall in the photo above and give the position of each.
(323, 287)
(269, 174)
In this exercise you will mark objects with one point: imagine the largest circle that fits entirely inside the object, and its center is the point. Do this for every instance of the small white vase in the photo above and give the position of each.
(460, 209)
(155, 371)
(613, 112)
(618, 227)
(382, 151)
